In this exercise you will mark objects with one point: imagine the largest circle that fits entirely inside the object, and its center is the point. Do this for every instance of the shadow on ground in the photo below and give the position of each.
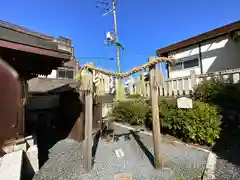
(139, 142)
(228, 145)
(143, 147)
(54, 125)
(95, 146)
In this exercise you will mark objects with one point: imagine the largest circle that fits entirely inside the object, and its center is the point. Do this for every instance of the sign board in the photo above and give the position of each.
(185, 103)
(123, 176)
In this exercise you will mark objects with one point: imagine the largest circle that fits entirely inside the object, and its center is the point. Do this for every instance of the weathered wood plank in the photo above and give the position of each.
(186, 86)
(165, 89)
(88, 88)
(155, 116)
(180, 87)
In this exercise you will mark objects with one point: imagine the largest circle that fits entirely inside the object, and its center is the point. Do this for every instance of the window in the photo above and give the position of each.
(177, 66)
(186, 64)
(65, 73)
(69, 74)
(190, 64)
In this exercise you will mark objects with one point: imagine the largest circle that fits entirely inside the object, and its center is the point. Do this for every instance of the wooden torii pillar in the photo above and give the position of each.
(87, 88)
(155, 115)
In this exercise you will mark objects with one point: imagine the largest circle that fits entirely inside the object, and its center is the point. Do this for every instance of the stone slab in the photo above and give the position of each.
(11, 166)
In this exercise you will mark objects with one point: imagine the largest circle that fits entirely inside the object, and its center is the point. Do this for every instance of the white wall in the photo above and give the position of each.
(218, 54)
(53, 75)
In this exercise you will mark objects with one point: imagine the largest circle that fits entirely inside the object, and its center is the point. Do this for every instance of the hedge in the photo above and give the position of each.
(207, 90)
(132, 112)
(134, 96)
(198, 125)
(225, 96)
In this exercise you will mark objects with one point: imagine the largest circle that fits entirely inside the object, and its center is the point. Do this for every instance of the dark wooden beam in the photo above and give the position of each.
(30, 49)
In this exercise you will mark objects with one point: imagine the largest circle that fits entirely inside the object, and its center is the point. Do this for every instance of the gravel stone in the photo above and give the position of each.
(66, 161)
(226, 170)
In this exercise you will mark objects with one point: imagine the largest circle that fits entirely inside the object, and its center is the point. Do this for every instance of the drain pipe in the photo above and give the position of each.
(200, 58)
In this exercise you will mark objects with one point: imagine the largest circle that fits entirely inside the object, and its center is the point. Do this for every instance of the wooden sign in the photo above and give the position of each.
(184, 103)
(123, 176)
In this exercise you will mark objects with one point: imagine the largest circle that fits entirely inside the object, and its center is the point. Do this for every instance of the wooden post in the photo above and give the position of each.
(148, 89)
(130, 85)
(138, 87)
(170, 87)
(193, 79)
(155, 116)
(88, 89)
(230, 77)
(186, 85)
(165, 88)
(180, 85)
(143, 86)
(175, 88)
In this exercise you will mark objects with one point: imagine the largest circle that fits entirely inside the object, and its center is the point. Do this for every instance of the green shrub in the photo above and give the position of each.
(169, 100)
(207, 90)
(132, 112)
(134, 96)
(223, 95)
(228, 97)
(198, 125)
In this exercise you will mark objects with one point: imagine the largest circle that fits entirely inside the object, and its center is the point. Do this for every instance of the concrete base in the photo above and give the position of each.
(20, 158)
(8, 149)
(20, 144)
(32, 154)
(11, 166)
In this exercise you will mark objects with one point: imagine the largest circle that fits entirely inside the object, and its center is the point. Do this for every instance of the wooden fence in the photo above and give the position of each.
(185, 85)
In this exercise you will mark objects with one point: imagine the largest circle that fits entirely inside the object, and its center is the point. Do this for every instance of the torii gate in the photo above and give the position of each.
(86, 82)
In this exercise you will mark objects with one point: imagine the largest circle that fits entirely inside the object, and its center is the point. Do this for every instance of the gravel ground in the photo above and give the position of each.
(226, 170)
(179, 161)
(65, 162)
(228, 161)
(182, 160)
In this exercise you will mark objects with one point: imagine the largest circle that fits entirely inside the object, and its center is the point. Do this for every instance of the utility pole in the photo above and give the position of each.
(114, 40)
(95, 58)
(116, 35)
(118, 84)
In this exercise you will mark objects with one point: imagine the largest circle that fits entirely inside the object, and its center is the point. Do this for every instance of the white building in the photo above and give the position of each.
(69, 69)
(216, 50)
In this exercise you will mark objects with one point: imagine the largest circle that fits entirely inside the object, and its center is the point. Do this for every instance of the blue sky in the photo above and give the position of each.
(144, 25)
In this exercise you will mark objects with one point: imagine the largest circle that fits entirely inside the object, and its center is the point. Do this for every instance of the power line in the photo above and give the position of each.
(104, 5)
(89, 57)
(95, 58)
(135, 52)
(112, 38)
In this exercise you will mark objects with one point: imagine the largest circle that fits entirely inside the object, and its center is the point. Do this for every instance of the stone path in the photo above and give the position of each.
(135, 158)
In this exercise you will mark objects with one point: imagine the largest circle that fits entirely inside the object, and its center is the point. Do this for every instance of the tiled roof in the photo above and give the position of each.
(229, 28)
(43, 85)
